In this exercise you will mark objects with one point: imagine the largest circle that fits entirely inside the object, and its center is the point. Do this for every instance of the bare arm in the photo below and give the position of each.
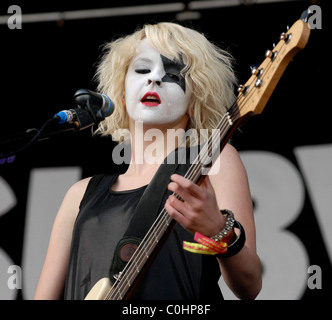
(52, 278)
(242, 272)
(227, 189)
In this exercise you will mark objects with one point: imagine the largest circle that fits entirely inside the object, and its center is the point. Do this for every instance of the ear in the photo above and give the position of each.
(190, 110)
(123, 101)
(191, 104)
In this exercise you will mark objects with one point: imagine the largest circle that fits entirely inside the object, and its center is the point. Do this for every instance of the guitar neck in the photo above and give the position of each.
(211, 149)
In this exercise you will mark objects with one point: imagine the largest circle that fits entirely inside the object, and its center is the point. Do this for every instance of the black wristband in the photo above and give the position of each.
(237, 245)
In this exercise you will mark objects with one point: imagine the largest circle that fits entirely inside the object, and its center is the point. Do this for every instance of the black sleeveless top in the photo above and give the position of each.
(104, 215)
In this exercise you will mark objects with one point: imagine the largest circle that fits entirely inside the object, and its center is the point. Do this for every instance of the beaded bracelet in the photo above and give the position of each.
(226, 232)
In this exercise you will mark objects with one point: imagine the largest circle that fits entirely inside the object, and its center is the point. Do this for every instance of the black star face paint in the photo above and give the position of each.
(173, 72)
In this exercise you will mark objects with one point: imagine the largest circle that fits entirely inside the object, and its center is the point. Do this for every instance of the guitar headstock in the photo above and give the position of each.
(254, 95)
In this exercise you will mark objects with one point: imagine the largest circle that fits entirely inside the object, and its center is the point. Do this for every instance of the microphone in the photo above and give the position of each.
(93, 108)
(99, 104)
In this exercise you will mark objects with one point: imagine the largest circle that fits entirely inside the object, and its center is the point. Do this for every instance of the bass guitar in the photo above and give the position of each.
(251, 100)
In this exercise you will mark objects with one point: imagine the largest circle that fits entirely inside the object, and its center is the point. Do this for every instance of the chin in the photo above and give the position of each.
(160, 122)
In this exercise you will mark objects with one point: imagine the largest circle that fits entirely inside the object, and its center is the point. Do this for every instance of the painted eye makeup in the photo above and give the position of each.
(174, 77)
(142, 70)
(173, 72)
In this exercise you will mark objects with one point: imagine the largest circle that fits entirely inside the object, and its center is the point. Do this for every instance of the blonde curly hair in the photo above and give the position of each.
(208, 74)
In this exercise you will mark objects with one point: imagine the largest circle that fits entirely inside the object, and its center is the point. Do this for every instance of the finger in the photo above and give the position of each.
(179, 205)
(174, 213)
(186, 186)
(184, 193)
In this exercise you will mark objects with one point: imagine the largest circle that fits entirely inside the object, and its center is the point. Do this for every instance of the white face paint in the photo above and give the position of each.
(153, 95)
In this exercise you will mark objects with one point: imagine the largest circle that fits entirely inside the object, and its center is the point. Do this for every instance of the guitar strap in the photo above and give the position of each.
(143, 216)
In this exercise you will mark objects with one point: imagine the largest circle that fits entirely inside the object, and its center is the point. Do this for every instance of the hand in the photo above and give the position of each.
(199, 210)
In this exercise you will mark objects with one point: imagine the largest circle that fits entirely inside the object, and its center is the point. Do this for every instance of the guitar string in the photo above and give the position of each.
(163, 219)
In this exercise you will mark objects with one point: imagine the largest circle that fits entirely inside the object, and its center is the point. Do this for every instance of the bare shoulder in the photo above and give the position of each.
(77, 190)
(73, 197)
(229, 175)
(230, 182)
(229, 162)
(229, 153)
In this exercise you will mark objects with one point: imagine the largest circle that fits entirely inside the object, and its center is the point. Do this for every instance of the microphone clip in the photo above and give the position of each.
(98, 105)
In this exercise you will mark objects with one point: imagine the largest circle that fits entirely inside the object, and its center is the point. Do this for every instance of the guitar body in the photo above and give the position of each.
(100, 290)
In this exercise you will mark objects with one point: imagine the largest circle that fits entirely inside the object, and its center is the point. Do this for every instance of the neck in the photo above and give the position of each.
(150, 144)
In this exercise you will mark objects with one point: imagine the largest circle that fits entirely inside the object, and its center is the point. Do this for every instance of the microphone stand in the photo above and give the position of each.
(50, 128)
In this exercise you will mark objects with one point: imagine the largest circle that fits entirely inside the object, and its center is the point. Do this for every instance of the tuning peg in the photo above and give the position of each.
(258, 83)
(271, 54)
(242, 89)
(268, 53)
(254, 71)
(285, 36)
(257, 72)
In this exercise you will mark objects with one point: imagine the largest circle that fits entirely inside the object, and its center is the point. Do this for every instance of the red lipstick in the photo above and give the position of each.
(151, 99)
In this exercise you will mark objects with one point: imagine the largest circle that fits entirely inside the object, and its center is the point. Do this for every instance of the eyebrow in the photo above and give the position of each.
(142, 59)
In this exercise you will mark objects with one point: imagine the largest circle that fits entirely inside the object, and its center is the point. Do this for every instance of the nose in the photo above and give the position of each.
(157, 82)
(155, 78)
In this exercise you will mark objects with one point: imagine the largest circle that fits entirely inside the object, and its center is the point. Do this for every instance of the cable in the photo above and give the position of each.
(10, 157)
